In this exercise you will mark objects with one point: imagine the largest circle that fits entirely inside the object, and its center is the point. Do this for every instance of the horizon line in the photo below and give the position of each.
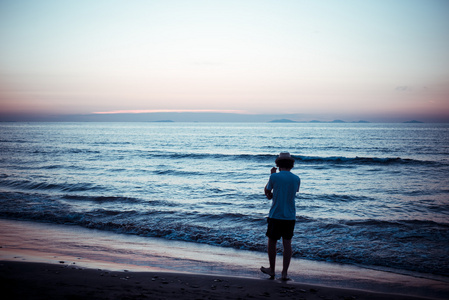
(142, 111)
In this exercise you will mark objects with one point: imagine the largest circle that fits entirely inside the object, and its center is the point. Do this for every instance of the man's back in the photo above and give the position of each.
(285, 185)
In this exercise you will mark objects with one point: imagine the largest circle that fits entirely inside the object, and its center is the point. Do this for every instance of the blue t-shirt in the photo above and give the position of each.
(285, 185)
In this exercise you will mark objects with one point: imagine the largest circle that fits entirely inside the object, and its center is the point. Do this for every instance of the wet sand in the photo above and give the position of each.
(41, 261)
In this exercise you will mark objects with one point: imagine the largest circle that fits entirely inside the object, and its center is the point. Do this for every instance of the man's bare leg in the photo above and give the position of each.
(271, 249)
(287, 255)
(272, 254)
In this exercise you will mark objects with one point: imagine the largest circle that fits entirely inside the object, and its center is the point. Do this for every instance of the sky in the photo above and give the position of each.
(353, 58)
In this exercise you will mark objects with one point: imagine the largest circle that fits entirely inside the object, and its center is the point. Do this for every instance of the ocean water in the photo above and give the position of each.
(375, 195)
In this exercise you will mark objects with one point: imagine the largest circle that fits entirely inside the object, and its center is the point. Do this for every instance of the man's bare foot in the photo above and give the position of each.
(267, 271)
(285, 277)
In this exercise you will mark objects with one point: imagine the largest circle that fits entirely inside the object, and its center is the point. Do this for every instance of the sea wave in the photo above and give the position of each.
(298, 158)
(405, 244)
(30, 185)
(102, 199)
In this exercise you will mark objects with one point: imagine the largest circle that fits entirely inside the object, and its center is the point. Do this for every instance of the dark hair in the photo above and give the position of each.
(285, 163)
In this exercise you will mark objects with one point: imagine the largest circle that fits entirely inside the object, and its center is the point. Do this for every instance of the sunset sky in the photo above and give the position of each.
(254, 57)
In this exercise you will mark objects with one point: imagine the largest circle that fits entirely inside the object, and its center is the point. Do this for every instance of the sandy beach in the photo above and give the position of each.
(51, 281)
(41, 261)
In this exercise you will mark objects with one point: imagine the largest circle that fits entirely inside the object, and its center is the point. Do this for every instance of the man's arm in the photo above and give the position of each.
(268, 192)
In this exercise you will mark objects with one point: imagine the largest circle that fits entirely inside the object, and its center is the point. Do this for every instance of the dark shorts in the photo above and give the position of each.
(280, 228)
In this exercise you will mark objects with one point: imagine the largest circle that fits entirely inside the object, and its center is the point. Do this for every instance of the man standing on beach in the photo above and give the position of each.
(282, 188)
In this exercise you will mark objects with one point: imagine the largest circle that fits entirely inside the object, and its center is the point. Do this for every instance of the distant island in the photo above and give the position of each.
(163, 121)
(314, 121)
(338, 121)
(334, 121)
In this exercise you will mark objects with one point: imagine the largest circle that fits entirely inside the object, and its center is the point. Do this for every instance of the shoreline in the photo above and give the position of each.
(84, 250)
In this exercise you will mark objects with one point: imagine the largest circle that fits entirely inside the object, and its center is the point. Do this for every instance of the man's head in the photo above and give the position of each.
(285, 161)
